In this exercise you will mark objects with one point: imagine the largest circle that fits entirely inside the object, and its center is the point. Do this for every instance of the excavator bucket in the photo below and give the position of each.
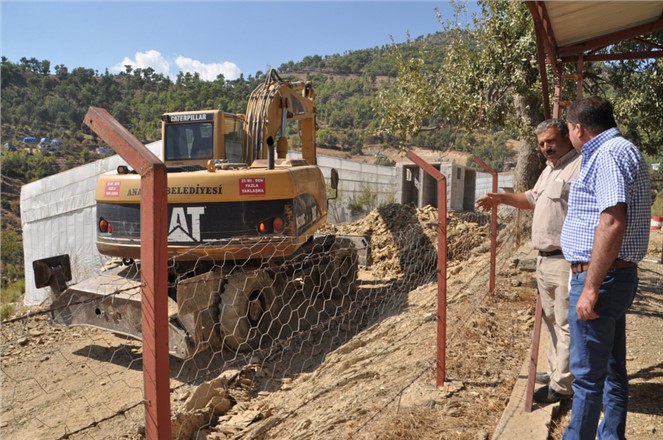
(111, 301)
(53, 272)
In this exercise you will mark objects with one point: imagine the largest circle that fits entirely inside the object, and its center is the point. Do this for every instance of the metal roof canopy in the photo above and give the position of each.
(571, 32)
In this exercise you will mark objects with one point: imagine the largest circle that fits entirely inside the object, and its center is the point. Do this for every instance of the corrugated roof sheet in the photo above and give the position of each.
(574, 22)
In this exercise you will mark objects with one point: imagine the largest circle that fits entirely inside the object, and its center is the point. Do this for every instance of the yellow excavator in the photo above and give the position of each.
(242, 228)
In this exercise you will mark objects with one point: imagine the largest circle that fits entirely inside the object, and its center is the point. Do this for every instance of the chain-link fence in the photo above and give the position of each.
(242, 330)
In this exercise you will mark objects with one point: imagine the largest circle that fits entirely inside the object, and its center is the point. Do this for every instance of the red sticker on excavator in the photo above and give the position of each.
(251, 186)
(112, 189)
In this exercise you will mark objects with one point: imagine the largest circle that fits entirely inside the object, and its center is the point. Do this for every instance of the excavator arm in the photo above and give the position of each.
(271, 107)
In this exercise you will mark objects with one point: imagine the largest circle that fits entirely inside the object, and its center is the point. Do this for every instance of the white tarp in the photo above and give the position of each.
(58, 216)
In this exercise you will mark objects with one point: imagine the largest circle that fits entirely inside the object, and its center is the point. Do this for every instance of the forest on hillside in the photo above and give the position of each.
(41, 100)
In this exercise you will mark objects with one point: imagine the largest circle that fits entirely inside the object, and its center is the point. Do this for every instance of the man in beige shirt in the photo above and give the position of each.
(549, 199)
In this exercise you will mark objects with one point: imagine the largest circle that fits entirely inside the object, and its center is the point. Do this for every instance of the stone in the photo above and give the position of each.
(527, 265)
(203, 395)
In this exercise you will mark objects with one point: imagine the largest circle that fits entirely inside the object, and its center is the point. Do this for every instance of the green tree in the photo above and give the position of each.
(486, 79)
(28, 167)
(638, 100)
(414, 95)
(489, 79)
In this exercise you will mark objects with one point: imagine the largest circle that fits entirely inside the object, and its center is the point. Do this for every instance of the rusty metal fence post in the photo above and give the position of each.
(441, 263)
(534, 354)
(154, 267)
(493, 226)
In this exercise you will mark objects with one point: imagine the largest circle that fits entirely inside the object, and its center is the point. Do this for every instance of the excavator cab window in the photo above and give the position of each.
(176, 143)
(203, 141)
(189, 141)
(232, 139)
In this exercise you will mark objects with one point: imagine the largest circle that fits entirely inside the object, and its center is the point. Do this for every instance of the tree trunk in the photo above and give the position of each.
(528, 167)
(530, 162)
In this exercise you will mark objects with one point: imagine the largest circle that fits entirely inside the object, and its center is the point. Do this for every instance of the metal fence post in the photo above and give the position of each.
(534, 354)
(493, 226)
(154, 267)
(441, 263)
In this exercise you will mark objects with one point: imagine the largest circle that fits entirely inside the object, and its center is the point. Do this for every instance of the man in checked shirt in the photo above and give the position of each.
(605, 234)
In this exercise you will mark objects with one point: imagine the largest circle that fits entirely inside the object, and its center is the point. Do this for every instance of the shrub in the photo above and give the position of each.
(9, 297)
(381, 159)
(6, 311)
(657, 207)
(364, 202)
(14, 292)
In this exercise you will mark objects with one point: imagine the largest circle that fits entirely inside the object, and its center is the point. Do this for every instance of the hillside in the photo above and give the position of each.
(11, 264)
(11, 194)
(39, 101)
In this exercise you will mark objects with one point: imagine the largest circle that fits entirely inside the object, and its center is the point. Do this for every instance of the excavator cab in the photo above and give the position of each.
(193, 138)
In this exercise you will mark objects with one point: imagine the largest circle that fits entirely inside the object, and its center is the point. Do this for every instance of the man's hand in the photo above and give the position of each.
(492, 200)
(488, 202)
(585, 305)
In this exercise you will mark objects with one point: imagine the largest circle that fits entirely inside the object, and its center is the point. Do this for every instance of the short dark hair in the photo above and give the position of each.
(560, 125)
(593, 112)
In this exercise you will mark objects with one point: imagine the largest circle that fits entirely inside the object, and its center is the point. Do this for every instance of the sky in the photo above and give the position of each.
(209, 37)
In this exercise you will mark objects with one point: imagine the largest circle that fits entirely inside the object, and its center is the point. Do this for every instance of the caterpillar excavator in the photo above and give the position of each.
(242, 236)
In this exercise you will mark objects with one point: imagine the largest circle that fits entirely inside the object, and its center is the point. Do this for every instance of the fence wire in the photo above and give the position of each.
(242, 329)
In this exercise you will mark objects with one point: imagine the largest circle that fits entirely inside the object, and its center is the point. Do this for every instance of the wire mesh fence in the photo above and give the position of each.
(243, 330)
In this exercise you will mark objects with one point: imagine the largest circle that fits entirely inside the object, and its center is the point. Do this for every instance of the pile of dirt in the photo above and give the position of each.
(403, 237)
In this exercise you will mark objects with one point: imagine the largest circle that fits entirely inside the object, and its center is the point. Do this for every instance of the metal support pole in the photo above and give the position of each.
(154, 267)
(579, 78)
(534, 354)
(541, 58)
(557, 100)
(493, 227)
(441, 263)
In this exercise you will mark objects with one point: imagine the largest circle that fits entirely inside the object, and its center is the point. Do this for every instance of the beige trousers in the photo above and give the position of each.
(552, 276)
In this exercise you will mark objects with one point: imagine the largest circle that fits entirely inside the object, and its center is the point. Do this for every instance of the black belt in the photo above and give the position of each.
(550, 254)
(618, 264)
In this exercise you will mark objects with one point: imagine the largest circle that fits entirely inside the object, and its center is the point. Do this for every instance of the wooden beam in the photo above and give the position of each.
(543, 28)
(642, 55)
(608, 39)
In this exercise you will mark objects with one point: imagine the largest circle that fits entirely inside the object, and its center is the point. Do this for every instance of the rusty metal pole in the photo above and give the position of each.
(579, 76)
(442, 278)
(441, 264)
(493, 227)
(541, 58)
(534, 354)
(154, 267)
